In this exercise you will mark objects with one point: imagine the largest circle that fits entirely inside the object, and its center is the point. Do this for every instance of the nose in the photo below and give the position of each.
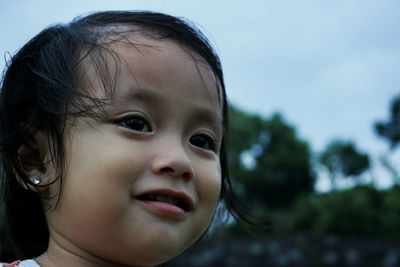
(172, 159)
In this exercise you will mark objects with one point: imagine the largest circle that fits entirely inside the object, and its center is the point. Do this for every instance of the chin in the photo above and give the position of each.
(159, 251)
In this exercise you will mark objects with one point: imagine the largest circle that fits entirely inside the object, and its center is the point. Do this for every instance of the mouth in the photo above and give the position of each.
(170, 197)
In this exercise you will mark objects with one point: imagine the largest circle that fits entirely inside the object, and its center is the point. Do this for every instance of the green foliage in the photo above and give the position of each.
(341, 157)
(390, 130)
(361, 211)
(278, 164)
(302, 214)
(353, 212)
(390, 212)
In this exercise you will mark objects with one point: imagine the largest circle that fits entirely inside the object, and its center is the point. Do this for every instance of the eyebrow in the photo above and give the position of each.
(205, 115)
(139, 94)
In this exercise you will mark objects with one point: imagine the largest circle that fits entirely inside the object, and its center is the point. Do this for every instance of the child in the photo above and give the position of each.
(113, 141)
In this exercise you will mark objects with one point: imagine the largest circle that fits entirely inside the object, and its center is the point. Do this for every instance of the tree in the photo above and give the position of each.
(270, 164)
(342, 158)
(390, 130)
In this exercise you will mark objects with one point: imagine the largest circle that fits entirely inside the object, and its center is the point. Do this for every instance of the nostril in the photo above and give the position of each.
(186, 175)
(167, 169)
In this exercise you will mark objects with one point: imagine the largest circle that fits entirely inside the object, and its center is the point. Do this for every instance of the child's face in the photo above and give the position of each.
(158, 142)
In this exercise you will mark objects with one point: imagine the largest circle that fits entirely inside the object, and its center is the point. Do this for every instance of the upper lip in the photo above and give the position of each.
(184, 199)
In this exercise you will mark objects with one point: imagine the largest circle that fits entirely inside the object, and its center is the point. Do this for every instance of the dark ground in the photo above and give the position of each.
(280, 251)
(299, 250)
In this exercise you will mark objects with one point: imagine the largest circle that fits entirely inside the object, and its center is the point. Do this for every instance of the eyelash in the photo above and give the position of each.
(210, 145)
(136, 123)
(206, 142)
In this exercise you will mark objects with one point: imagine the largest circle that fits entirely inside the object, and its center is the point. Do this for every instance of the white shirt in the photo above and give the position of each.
(28, 263)
(25, 263)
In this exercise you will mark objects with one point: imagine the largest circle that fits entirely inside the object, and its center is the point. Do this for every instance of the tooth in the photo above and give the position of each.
(167, 199)
(163, 198)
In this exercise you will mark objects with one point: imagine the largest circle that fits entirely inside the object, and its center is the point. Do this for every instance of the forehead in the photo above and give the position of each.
(159, 59)
(163, 67)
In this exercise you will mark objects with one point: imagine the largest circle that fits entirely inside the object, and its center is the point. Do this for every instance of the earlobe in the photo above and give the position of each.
(34, 158)
(36, 180)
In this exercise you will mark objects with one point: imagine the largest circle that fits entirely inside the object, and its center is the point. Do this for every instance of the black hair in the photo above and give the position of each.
(40, 92)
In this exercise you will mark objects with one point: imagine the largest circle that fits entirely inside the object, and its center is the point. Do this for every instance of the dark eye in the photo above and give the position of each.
(135, 123)
(203, 141)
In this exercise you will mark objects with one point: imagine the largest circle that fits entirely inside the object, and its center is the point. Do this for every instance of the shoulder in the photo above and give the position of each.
(25, 263)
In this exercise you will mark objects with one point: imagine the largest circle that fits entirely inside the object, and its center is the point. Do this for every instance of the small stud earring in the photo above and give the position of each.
(36, 180)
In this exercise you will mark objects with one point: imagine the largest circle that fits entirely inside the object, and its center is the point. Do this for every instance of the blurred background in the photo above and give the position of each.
(315, 123)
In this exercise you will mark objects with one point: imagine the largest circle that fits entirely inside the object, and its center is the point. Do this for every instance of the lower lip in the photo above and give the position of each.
(163, 208)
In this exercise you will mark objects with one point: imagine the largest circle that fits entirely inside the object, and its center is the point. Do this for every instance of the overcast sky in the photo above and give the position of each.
(330, 67)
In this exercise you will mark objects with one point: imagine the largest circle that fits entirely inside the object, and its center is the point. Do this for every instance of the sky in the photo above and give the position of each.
(330, 67)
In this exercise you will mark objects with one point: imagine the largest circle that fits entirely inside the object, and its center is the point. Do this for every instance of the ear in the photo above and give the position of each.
(35, 159)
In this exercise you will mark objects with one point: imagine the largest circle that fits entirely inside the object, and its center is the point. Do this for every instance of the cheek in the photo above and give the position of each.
(209, 187)
(96, 193)
(99, 178)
